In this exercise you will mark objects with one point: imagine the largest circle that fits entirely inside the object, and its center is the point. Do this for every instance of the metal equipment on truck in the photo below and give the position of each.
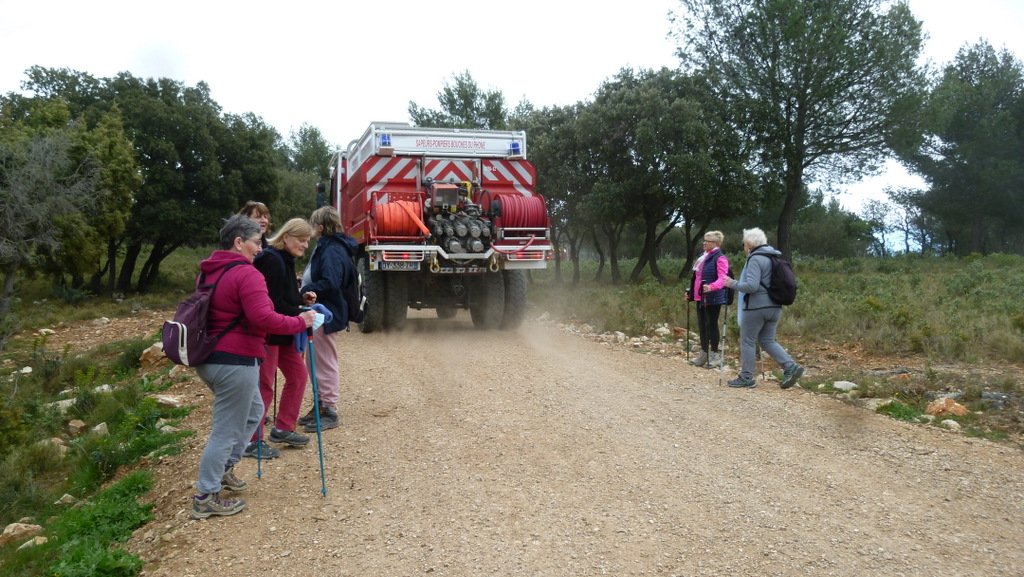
(446, 219)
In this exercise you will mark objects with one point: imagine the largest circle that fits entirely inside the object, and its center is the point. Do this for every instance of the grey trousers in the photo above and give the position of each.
(758, 327)
(237, 411)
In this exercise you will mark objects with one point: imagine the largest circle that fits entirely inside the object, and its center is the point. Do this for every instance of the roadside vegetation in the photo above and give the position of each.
(959, 318)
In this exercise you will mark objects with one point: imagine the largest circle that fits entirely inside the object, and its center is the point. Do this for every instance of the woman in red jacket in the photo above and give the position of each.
(277, 263)
(232, 370)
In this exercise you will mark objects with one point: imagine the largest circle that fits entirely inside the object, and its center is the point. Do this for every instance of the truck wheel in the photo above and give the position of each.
(371, 286)
(397, 304)
(515, 299)
(488, 301)
(446, 314)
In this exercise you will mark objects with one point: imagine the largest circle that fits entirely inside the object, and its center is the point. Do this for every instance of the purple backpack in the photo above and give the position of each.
(186, 340)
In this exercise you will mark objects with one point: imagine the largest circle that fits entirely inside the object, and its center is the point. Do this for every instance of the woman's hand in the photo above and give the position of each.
(309, 298)
(309, 317)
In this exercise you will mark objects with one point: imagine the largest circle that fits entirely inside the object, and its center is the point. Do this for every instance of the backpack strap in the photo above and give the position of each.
(235, 322)
(771, 259)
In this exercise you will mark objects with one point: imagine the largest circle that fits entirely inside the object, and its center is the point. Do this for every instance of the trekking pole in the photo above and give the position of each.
(721, 365)
(275, 395)
(687, 329)
(316, 409)
(259, 445)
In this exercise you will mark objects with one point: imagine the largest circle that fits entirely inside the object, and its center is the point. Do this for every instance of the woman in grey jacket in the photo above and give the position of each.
(759, 314)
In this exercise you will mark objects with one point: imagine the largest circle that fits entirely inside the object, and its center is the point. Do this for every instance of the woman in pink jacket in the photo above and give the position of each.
(233, 369)
(708, 289)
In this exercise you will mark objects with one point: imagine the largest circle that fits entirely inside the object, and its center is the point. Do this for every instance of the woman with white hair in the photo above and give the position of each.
(759, 314)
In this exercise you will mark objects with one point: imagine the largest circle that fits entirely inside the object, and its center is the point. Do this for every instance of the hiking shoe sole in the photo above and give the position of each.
(791, 380)
(324, 425)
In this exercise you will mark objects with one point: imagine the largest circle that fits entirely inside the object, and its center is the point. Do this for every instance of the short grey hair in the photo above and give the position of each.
(754, 237)
(238, 226)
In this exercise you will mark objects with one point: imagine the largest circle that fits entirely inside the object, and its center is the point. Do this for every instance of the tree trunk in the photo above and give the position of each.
(794, 196)
(111, 266)
(600, 254)
(151, 269)
(9, 275)
(131, 257)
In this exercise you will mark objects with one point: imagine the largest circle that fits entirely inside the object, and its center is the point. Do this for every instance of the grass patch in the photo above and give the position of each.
(83, 541)
(903, 412)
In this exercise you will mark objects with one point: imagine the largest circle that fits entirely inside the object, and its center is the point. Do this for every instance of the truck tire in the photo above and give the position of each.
(371, 286)
(515, 299)
(488, 301)
(396, 307)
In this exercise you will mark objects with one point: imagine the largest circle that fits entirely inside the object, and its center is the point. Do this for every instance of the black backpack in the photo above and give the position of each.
(782, 285)
(353, 295)
(185, 339)
(356, 314)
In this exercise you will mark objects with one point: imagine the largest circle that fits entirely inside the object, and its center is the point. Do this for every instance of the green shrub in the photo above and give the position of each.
(898, 410)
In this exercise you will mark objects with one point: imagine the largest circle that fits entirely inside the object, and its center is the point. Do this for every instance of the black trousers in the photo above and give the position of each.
(707, 325)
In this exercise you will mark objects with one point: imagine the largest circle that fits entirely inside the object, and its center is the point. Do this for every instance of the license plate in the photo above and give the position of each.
(385, 265)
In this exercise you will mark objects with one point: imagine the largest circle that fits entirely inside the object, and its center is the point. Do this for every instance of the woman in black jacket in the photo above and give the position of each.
(277, 263)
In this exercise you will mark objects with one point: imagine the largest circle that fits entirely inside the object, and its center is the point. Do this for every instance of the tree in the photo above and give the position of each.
(565, 177)
(309, 152)
(917, 226)
(824, 87)
(38, 183)
(671, 157)
(466, 105)
(197, 168)
(972, 154)
(878, 215)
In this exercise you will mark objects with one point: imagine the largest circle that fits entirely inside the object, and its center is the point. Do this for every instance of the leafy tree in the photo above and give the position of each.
(917, 226)
(197, 168)
(565, 176)
(309, 152)
(824, 87)
(973, 152)
(118, 179)
(69, 99)
(39, 182)
(465, 105)
(671, 157)
(826, 230)
(878, 215)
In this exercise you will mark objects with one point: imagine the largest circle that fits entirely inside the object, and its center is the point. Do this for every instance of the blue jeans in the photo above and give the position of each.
(237, 411)
(758, 327)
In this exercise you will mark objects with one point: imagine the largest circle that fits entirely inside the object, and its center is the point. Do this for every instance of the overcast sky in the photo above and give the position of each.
(340, 64)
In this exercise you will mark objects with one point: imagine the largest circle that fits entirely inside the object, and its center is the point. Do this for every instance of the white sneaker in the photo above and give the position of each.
(714, 360)
(701, 360)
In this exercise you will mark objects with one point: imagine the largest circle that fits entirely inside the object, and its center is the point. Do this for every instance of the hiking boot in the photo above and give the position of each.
(701, 360)
(328, 420)
(790, 375)
(204, 506)
(741, 383)
(308, 418)
(714, 360)
(287, 437)
(231, 482)
(265, 451)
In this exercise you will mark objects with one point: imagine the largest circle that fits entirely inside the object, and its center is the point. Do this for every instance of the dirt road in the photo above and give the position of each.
(539, 453)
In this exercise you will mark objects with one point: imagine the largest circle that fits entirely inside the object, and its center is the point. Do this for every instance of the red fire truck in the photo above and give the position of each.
(446, 219)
